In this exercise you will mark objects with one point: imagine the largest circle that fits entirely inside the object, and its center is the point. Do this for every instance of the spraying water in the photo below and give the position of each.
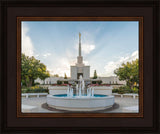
(80, 89)
(69, 91)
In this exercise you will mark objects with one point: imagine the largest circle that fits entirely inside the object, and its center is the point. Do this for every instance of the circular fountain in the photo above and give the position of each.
(84, 99)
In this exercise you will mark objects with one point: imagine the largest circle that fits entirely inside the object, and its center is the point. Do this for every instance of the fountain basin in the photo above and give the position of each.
(83, 103)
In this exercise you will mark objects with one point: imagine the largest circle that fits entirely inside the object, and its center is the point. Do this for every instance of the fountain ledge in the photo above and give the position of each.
(80, 104)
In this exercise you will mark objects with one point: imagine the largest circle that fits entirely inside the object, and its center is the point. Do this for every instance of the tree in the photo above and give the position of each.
(56, 75)
(95, 75)
(32, 69)
(129, 72)
(65, 76)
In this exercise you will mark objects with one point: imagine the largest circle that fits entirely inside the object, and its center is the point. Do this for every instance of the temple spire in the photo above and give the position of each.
(80, 58)
(79, 44)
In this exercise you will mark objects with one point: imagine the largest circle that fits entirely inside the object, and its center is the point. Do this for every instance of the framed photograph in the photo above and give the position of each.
(70, 86)
(89, 66)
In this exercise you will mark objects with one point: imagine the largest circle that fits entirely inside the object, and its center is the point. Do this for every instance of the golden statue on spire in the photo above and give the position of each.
(79, 35)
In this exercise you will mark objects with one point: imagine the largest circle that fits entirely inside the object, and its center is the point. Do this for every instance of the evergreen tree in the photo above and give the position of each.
(65, 76)
(95, 75)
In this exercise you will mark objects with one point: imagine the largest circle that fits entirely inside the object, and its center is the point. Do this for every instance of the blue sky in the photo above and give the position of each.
(105, 44)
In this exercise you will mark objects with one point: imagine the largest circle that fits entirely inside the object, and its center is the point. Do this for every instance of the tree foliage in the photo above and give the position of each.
(32, 69)
(129, 72)
(65, 76)
(55, 75)
(95, 75)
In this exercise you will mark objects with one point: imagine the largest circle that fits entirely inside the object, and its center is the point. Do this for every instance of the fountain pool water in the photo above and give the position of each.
(83, 99)
(75, 96)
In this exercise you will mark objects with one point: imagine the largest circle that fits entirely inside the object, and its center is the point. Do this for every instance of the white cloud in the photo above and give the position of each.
(27, 45)
(46, 55)
(112, 65)
(85, 62)
(60, 66)
(87, 48)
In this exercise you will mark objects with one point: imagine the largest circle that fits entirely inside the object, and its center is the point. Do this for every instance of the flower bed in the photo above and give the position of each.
(60, 84)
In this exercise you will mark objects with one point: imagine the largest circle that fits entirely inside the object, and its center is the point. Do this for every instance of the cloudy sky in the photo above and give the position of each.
(105, 44)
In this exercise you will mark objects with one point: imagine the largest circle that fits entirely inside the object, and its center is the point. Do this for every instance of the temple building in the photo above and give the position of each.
(80, 68)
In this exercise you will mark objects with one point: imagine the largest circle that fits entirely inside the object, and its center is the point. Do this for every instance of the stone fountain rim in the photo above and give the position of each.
(80, 98)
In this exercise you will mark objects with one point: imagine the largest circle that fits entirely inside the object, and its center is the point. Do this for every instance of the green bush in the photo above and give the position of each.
(125, 89)
(36, 83)
(93, 82)
(135, 90)
(65, 82)
(59, 82)
(121, 91)
(34, 89)
(23, 83)
(99, 82)
(115, 90)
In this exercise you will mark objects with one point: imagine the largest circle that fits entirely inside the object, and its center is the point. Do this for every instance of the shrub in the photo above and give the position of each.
(35, 89)
(36, 83)
(65, 82)
(115, 90)
(121, 91)
(125, 89)
(60, 85)
(28, 90)
(99, 82)
(93, 82)
(59, 82)
(135, 89)
(23, 83)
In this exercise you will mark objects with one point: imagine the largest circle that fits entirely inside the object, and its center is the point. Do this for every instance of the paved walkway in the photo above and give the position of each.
(126, 105)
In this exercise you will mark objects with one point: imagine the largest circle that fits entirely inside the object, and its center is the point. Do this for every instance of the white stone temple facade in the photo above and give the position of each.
(80, 68)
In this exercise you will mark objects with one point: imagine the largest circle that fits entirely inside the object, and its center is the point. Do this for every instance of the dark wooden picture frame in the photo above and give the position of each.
(146, 120)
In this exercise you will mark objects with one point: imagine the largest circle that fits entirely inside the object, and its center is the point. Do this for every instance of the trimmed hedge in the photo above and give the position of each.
(59, 82)
(99, 82)
(93, 82)
(125, 89)
(65, 82)
(34, 89)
